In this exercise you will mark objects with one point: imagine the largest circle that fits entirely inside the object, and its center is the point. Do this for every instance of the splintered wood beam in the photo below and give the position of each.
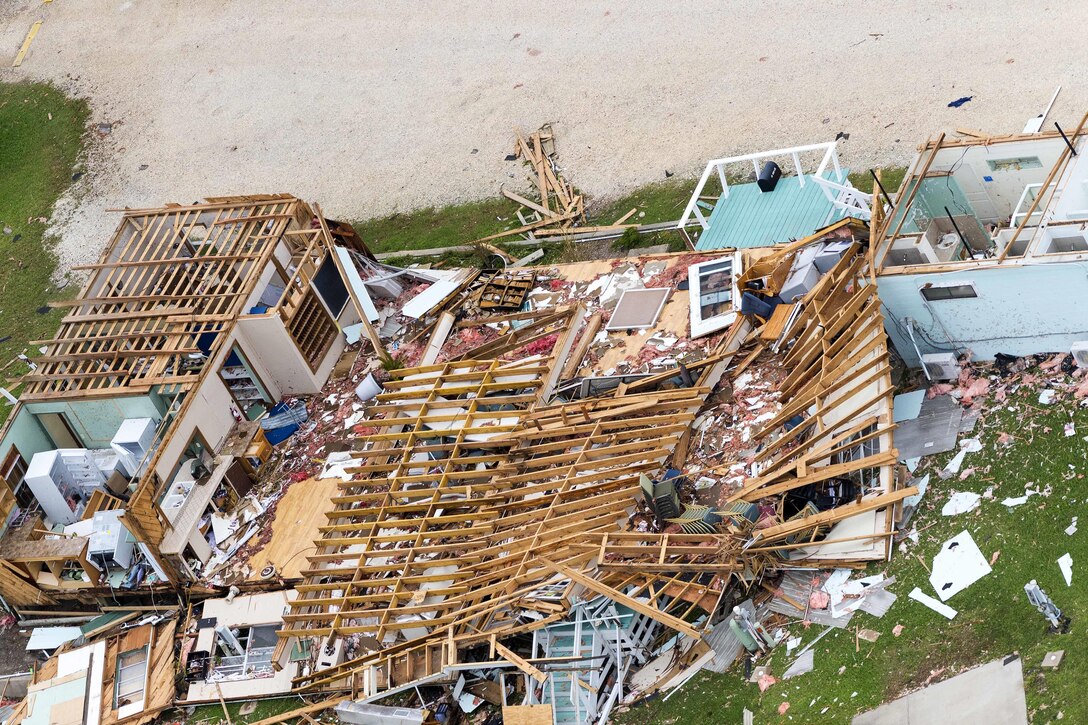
(306, 710)
(834, 515)
(531, 204)
(574, 361)
(619, 597)
(528, 227)
(520, 662)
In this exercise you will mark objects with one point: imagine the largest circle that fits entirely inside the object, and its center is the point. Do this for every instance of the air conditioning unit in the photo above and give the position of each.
(1080, 353)
(331, 654)
(941, 366)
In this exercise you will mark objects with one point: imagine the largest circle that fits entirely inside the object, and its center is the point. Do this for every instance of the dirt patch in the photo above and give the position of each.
(393, 111)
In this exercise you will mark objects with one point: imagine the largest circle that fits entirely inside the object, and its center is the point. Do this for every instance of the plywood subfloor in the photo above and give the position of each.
(298, 515)
(672, 321)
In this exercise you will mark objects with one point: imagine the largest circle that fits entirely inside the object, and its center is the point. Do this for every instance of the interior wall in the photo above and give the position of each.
(211, 411)
(258, 290)
(994, 193)
(96, 421)
(1020, 310)
(1073, 202)
(27, 435)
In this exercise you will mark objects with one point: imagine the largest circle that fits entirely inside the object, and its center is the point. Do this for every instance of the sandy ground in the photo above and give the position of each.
(372, 107)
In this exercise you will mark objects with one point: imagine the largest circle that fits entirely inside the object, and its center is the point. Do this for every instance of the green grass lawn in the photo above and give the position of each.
(40, 141)
(890, 178)
(994, 617)
(661, 201)
(439, 227)
(213, 714)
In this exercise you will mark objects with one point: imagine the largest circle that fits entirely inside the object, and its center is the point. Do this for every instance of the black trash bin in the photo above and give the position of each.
(769, 176)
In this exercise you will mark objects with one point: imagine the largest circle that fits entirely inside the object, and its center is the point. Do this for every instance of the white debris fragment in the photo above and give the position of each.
(958, 565)
(1020, 500)
(969, 445)
(922, 484)
(960, 502)
(943, 609)
(1072, 528)
(1065, 563)
(1046, 397)
(336, 465)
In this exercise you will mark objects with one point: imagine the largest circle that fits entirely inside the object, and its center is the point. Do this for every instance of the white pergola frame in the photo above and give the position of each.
(838, 189)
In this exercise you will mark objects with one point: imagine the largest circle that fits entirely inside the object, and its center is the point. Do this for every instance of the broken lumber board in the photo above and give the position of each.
(619, 597)
(526, 228)
(307, 710)
(521, 663)
(438, 338)
(496, 251)
(625, 217)
(834, 515)
(526, 202)
(574, 361)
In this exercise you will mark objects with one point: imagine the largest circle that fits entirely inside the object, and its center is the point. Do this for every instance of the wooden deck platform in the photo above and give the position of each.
(751, 218)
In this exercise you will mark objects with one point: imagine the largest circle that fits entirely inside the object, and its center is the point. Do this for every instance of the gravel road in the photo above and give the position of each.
(371, 107)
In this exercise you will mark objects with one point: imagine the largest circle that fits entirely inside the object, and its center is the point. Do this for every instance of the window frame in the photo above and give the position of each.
(137, 696)
(849, 451)
(1014, 163)
(701, 325)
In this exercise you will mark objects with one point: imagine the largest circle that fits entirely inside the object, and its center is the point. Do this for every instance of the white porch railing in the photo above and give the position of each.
(837, 188)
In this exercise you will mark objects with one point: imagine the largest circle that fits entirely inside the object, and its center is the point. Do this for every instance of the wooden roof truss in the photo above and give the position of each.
(168, 277)
(467, 501)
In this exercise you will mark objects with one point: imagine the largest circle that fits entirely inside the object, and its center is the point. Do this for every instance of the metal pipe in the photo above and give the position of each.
(1066, 139)
(876, 180)
(963, 239)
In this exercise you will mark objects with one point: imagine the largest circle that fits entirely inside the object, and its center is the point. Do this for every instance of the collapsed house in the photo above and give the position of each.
(138, 422)
(577, 474)
(540, 488)
(484, 513)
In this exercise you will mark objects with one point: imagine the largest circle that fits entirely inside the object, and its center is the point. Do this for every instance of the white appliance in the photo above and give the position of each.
(941, 366)
(803, 275)
(1080, 353)
(830, 255)
(133, 443)
(229, 640)
(107, 461)
(111, 544)
(331, 654)
(62, 482)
